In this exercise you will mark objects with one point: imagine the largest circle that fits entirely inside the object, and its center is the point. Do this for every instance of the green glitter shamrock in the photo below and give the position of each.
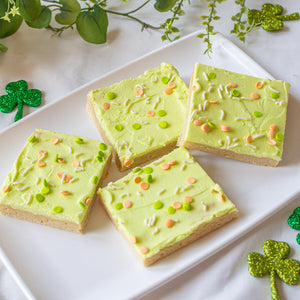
(17, 95)
(294, 222)
(270, 17)
(274, 262)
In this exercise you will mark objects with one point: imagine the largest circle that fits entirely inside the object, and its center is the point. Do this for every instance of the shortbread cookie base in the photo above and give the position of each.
(137, 161)
(39, 219)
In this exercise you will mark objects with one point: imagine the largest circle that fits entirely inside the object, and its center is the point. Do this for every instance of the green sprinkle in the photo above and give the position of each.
(148, 170)
(102, 146)
(136, 126)
(95, 180)
(158, 204)
(279, 137)
(211, 125)
(100, 153)
(45, 190)
(136, 170)
(99, 158)
(161, 113)
(111, 95)
(187, 206)
(79, 140)
(257, 114)
(39, 198)
(171, 210)
(46, 184)
(56, 158)
(163, 124)
(274, 95)
(32, 139)
(58, 209)
(235, 93)
(119, 127)
(118, 206)
(165, 79)
(212, 75)
(149, 179)
(81, 204)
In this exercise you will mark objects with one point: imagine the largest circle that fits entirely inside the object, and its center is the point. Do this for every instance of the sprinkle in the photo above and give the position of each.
(78, 169)
(226, 88)
(188, 161)
(37, 180)
(63, 178)
(199, 106)
(137, 179)
(205, 127)
(209, 89)
(169, 223)
(204, 95)
(272, 142)
(144, 123)
(175, 220)
(220, 94)
(272, 89)
(144, 250)
(51, 184)
(127, 204)
(204, 206)
(126, 102)
(249, 139)
(183, 167)
(133, 112)
(152, 220)
(268, 98)
(188, 199)
(127, 162)
(230, 94)
(111, 186)
(161, 191)
(42, 157)
(177, 190)
(187, 187)
(193, 113)
(84, 160)
(26, 171)
(77, 154)
(245, 98)
(257, 136)
(165, 167)
(240, 118)
(236, 98)
(5, 189)
(54, 140)
(220, 142)
(225, 128)
(172, 162)
(191, 180)
(144, 186)
(177, 205)
(154, 78)
(254, 96)
(250, 146)
(115, 103)
(189, 156)
(31, 160)
(123, 195)
(29, 199)
(73, 179)
(128, 150)
(168, 91)
(139, 193)
(70, 149)
(222, 114)
(155, 231)
(211, 83)
(232, 146)
(79, 214)
(221, 87)
(65, 193)
(105, 106)
(187, 206)
(204, 105)
(156, 102)
(280, 102)
(23, 188)
(15, 183)
(205, 76)
(158, 162)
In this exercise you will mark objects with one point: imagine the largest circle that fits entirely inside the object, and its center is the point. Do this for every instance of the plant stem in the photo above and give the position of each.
(174, 17)
(274, 292)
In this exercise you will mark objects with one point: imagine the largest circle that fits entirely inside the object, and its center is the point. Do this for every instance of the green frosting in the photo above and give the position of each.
(236, 108)
(145, 219)
(38, 189)
(126, 124)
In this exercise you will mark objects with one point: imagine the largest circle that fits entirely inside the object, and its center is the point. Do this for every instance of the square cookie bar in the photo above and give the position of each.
(166, 205)
(141, 117)
(54, 180)
(237, 116)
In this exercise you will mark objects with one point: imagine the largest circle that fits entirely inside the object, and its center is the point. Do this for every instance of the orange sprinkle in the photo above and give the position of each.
(137, 179)
(107, 174)
(168, 91)
(75, 163)
(42, 152)
(41, 164)
(172, 162)
(273, 127)
(150, 113)
(68, 178)
(272, 133)
(258, 85)
(87, 201)
(177, 205)
(249, 139)
(205, 127)
(169, 223)
(188, 199)
(213, 101)
(61, 160)
(139, 92)
(222, 197)
(127, 162)
(59, 174)
(6, 188)
(197, 122)
(127, 204)
(65, 193)
(254, 96)
(133, 239)
(144, 186)
(233, 84)
(225, 128)
(172, 85)
(165, 167)
(144, 250)
(54, 140)
(105, 106)
(194, 88)
(191, 180)
(271, 142)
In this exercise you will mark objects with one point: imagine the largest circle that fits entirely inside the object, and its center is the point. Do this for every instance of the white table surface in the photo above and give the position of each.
(59, 65)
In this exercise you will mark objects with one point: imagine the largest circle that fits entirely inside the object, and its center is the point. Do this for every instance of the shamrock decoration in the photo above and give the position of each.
(270, 17)
(274, 262)
(294, 222)
(17, 94)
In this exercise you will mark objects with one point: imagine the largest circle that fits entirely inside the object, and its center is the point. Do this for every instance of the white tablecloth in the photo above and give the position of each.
(59, 65)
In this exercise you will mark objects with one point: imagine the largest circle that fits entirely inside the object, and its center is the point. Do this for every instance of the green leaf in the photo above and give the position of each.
(92, 25)
(9, 28)
(3, 48)
(29, 9)
(164, 5)
(68, 12)
(43, 20)
(257, 264)
(3, 7)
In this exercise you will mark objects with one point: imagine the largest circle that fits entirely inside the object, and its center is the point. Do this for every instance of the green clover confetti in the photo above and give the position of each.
(17, 95)
(294, 222)
(270, 17)
(274, 262)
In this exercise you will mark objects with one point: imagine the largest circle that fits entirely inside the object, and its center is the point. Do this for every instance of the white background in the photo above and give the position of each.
(59, 65)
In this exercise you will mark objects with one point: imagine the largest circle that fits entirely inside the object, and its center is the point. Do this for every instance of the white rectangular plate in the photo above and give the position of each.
(99, 265)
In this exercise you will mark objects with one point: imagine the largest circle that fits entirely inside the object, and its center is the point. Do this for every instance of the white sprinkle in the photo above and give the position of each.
(280, 102)
(211, 83)
(220, 142)
(63, 178)
(262, 83)
(204, 105)
(144, 123)
(31, 160)
(126, 102)
(222, 114)
(147, 100)
(42, 157)
(154, 78)
(70, 149)
(115, 103)
(29, 199)
(139, 86)
(188, 161)
(15, 183)
(152, 220)
(125, 181)
(176, 190)
(257, 136)
(199, 106)
(79, 214)
(175, 220)
(187, 187)
(128, 150)
(26, 171)
(155, 231)
(245, 98)
(189, 156)
(236, 98)
(203, 118)
(84, 160)
(193, 105)
(146, 222)
(232, 146)
(37, 180)
(51, 184)
(252, 146)
(228, 140)
(221, 87)
(161, 191)
(133, 112)
(77, 169)
(205, 76)
(220, 94)
(156, 102)
(197, 79)
(204, 95)
(183, 167)
(241, 118)
(139, 193)
(226, 88)
(269, 98)
(73, 179)
(204, 206)
(272, 89)
(123, 195)
(77, 154)
(172, 78)
(193, 113)
(158, 162)
(113, 187)
(23, 188)
(230, 94)
(209, 89)
(235, 139)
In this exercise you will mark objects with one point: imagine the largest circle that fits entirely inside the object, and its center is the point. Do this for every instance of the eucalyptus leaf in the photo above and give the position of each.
(9, 28)
(3, 48)
(68, 12)
(43, 20)
(29, 9)
(164, 5)
(92, 25)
